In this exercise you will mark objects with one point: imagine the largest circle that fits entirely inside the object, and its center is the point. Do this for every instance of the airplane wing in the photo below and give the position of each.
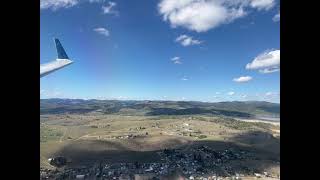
(62, 61)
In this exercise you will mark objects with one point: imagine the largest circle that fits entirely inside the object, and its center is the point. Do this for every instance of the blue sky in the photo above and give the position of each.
(203, 50)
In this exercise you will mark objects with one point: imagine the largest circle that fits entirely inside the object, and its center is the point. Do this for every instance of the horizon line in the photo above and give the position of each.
(157, 100)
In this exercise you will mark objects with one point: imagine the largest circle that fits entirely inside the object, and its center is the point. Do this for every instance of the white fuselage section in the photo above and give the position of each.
(50, 67)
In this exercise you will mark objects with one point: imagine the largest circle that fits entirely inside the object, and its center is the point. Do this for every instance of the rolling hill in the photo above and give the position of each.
(243, 109)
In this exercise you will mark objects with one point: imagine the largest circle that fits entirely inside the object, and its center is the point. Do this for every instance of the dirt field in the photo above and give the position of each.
(87, 139)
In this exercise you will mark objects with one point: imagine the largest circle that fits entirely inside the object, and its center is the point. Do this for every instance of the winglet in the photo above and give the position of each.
(60, 51)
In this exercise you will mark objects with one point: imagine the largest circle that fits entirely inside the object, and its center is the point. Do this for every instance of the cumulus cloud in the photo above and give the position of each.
(266, 62)
(102, 31)
(231, 93)
(202, 15)
(186, 40)
(242, 79)
(276, 17)
(109, 9)
(176, 60)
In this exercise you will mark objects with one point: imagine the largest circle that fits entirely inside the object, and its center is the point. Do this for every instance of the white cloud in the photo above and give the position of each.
(218, 93)
(244, 96)
(276, 17)
(242, 79)
(164, 97)
(96, 1)
(203, 15)
(56, 4)
(269, 70)
(268, 94)
(185, 78)
(198, 15)
(231, 93)
(102, 31)
(122, 98)
(271, 96)
(100, 98)
(266, 62)
(109, 9)
(262, 4)
(186, 40)
(176, 60)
